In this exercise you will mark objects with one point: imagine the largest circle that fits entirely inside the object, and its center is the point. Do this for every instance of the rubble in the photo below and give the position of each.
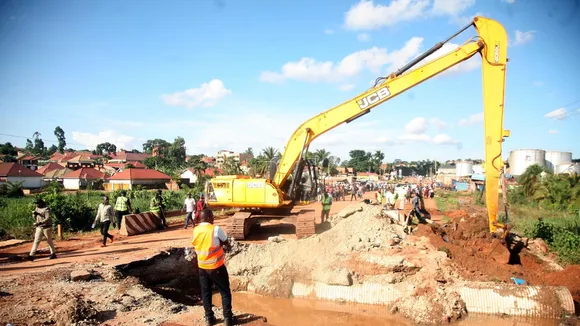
(361, 247)
(80, 275)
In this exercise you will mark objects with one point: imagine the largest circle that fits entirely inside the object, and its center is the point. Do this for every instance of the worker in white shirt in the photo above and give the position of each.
(189, 207)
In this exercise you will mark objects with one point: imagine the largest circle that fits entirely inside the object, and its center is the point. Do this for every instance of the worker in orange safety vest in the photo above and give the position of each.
(208, 242)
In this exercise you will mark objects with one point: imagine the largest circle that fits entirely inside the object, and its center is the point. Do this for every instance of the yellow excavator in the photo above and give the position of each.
(294, 178)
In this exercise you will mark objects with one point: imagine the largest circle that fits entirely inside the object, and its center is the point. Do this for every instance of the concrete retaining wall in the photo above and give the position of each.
(486, 298)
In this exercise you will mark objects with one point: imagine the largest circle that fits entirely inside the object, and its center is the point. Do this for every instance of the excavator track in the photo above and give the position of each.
(239, 225)
(305, 225)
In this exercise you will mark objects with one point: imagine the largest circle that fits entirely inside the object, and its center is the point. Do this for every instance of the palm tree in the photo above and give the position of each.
(270, 153)
(530, 179)
(320, 155)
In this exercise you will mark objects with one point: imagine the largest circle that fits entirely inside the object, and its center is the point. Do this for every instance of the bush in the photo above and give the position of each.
(561, 234)
(75, 212)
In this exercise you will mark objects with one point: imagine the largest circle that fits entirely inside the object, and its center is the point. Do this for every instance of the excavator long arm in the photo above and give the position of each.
(491, 44)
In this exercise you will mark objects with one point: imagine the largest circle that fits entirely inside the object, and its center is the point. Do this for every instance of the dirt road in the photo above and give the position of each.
(86, 249)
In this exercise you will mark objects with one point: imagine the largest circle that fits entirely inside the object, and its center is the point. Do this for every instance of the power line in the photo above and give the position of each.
(520, 122)
(52, 141)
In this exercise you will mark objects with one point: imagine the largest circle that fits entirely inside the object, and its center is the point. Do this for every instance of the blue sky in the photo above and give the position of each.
(235, 74)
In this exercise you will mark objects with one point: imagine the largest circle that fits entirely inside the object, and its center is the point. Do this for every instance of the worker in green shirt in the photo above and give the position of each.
(326, 203)
(157, 207)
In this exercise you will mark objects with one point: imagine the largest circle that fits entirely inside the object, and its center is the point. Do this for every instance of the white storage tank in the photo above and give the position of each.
(570, 168)
(463, 169)
(478, 169)
(521, 159)
(555, 158)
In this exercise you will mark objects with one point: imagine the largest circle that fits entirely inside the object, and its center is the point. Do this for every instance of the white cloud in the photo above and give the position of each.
(438, 123)
(365, 15)
(451, 7)
(509, 1)
(523, 37)
(373, 59)
(464, 20)
(111, 136)
(552, 131)
(442, 139)
(538, 83)
(328, 31)
(416, 126)
(207, 95)
(363, 37)
(558, 114)
(473, 119)
(346, 87)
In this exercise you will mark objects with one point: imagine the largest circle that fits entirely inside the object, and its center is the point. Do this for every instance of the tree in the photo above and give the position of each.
(231, 166)
(162, 146)
(29, 146)
(38, 148)
(260, 164)
(59, 133)
(105, 147)
(530, 179)
(8, 152)
(52, 149)
(249, 151)
(360, 160)
(377, 160)
(176, 151)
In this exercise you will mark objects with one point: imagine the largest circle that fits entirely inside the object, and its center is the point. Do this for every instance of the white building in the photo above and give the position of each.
(16, 173)
(128, 178)
(81, 178)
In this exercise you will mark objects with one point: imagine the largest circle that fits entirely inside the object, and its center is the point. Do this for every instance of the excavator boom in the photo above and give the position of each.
(280, 192)
(491, 44)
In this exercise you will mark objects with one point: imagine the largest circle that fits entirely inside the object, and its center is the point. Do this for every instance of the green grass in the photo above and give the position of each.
(75, 211)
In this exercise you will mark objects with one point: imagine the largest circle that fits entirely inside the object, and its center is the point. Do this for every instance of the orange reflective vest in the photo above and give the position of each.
(208, 256)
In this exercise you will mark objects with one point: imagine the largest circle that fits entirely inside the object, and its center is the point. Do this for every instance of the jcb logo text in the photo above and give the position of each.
(373, 98)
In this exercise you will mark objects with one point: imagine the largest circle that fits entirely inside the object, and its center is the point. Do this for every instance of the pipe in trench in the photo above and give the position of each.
(479, 297)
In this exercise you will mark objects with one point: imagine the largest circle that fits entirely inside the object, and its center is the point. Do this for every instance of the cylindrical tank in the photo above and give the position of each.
(555, 158)
(521, 159)
(463, 169)
(478, 169)
(569, 168)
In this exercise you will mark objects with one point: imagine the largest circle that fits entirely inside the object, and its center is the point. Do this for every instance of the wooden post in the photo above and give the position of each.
(59, 231)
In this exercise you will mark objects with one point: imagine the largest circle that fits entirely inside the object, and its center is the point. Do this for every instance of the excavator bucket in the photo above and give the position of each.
(498, 252)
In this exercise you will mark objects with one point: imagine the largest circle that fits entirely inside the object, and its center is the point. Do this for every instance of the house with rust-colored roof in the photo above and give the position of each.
(127, 179)
(81, 178)
(124, 157)
(49, 167)
(16, 173)
(28, 161)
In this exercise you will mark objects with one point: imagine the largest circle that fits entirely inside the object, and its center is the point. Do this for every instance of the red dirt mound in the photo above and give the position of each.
(569, 277)
(466, 241)
(458, 214)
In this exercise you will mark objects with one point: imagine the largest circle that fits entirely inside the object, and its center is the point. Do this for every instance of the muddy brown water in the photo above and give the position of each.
(293, 311)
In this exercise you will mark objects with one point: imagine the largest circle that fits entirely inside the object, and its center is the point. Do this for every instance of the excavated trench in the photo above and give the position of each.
(168, 274)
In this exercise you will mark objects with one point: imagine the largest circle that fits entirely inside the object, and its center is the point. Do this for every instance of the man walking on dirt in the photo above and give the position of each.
(122, 208)
(104, 216)
(416, 210)
(157, 207)
(43, 227)
(189, 207)
(326, 203)
(208, 242)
